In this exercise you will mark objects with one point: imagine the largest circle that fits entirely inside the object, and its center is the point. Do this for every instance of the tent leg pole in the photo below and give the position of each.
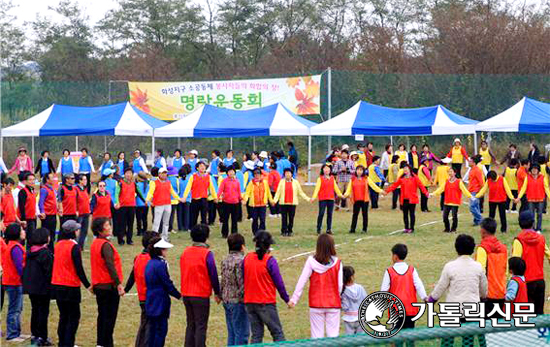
(231, 143)
(309, 159)
(475, 142)
(179, 143)
(254, 143)
(76, 143)
(104, 144)
(391, 140)
(153, 147)
(329, 92)
(32, 148)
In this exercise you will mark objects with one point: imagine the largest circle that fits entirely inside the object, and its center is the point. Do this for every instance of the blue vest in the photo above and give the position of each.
(84, 165)
(110, 186)
(266, 165)
(183, 185)
(193, 162)
(157, 162)
(177, 163)
(144, 188)
(174, 182)
(136, 167)
(240, 176)
(228, 161)
(214, 166)
(214, 183)
(44, 167)
(67, 166)
(121, 167)
(107, 165)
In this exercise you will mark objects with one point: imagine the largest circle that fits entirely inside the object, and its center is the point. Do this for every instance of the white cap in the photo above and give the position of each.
(446, 160)
(249, 164)
(263, 154)
(457, 140)
(345, 147)
(162, 169)
(163, 244)
(353, 153)
(194, 151)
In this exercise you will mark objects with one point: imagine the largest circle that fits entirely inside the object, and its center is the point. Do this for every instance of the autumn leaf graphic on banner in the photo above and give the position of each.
(306, 98)
(292, 82)
(139, 99)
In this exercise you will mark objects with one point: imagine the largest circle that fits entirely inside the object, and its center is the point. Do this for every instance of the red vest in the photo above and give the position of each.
(102, 207)
(8, 209)
(535, 189)
(64, 272)
(521, 295)
(30, 204)
(83, 202)
(359, 189)
(69, 200)
(497, 193)
(100, 274)
(259, 287)
(10, 276)
(127, 197)
(199, 189)
(323, 288)
(50, 204)
(162, 195)
(326, 191)
(403, 287)
(140, 262)
(195, 280)
(3, 248)
(453, 194)
(533, 245)
(289, 192)
(497, 260)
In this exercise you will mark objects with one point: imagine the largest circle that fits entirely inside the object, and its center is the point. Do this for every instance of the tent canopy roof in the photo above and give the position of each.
(212, 121)
(526, 116)
(61, 120)
(368, 119)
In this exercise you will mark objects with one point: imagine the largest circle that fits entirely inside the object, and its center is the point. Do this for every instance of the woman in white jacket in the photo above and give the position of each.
(324, 272)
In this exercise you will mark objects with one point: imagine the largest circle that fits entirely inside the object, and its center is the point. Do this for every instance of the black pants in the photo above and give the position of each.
(173, 215)
(409, 214)
(141, 219)
(126, 220)
(183, 216)
(536, 208)
(409, 324)
(424, 202)
(197, 311)
(442, 202)
(69, 318)
(287, 218)
(199, 206)
(275, 209)
(39, 315)
(261, 315)
(373, 198)
(230, 211)
(107, 310)
(142, 337)
(327, 205)
(450, 209)
(395, 198)
(248, 211)
(501, 212)
(458, 169)
(31, 227)
(363, 207)
(258, 218)
(212, 211)
(524, 203)
(50, 223)
(158, 329)
(515, 195)
(535, 293)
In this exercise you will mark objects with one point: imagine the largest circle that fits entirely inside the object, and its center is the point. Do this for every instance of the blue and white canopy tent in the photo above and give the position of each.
(527, 116)
(373, 120)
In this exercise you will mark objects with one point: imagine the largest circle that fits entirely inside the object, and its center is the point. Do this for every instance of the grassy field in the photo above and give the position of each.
(369, 254)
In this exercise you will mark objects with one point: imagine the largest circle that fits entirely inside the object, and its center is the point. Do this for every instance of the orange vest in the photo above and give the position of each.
(496, 267)
(326, 191)
(323, 288)
(162, 195)
(140, 263)
(30, 205)
(259, 287)
(127, 197)
(102, 207)
(69, 200)
(453, 194)
(64, 272)
(535, 188)
(8, 208)
(195, 280)
(199, 189)
(359, 189)
(83, 202)
(476, 179)
(497, 193)
(403, 287)
(259, 193)
(533, 255)
(521, 174)
(521, 295)
(50, 204)
(10, 276)
(100, 274)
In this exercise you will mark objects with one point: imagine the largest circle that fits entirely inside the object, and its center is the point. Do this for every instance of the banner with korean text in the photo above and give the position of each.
(174, 100)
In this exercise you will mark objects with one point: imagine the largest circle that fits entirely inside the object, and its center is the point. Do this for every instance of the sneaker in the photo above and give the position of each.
(514, 211)
(130, 243)
(352, 231)
(272, 216)
(16, 340)
(507, 211)
(329, 232)
(173, 232)
(25, 336)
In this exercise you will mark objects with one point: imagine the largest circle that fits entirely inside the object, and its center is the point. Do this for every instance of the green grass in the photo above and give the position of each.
(429, 250)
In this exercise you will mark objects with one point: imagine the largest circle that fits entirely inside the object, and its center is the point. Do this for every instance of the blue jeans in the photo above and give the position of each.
(327, 205)
(158, 328)
(537, 208)
(475, 210)
(238, 328)
(15, 307)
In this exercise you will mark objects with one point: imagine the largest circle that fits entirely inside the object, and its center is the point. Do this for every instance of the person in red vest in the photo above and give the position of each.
(101, 202)
(137, 277)
(325, 191)
(476, 180)
(7, 203)
(13, 261)
(262, 279)
(229, 193)
(48, 206)
(453, 190)
(492, 255)
(516, 291)
(531, 247)
(323, 270)
(160, 196)
(499, 192)
(535, 188)
(409, 185)
(67, 198)
(83, 209)
(200, 184)
(127, 191)
(199, 277)
(27, 203)
(402, 280)
(106, 280)
(67, 277)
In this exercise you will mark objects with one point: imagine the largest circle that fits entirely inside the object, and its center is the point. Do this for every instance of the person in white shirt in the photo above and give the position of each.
(386, 160)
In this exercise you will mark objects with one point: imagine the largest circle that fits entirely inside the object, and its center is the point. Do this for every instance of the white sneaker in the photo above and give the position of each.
(272, 216)
(16, 340)
(507, 211)
(24, 336)
(514, 212)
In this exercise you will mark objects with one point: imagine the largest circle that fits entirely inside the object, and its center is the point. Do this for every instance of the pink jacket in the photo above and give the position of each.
(24, 164)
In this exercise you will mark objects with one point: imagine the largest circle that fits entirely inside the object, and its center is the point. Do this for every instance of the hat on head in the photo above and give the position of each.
(194, 151)
(345, 147)
(22, 149)
(446, 160)
(249, 165)
(69, 175)
(526, 216)
(457, 140)
(172, 170)
(108, 172)
(263, 154)
(162, 169)
(353, 153)
(71, 225)
(163, 244)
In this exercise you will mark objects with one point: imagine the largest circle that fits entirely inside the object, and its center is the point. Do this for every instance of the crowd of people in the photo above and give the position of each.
(182, 189)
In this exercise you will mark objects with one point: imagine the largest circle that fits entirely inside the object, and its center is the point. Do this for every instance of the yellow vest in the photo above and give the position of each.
(361, 160)
(392, 173)
(442, 174)
(486, 157)
(415, 161)
(402, 156)
(372, 174)
(457, 156)
(510, 177)
(422, 177)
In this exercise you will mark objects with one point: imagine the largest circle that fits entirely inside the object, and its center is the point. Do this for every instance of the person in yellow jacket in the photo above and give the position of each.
(441, 176)
(426, 180)
(402, 153)
(458, 155)
(258, 195)
(361, 156)
(393, 175)
(510, 175)
(287, 198)
(326, 190)
(487, 156)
